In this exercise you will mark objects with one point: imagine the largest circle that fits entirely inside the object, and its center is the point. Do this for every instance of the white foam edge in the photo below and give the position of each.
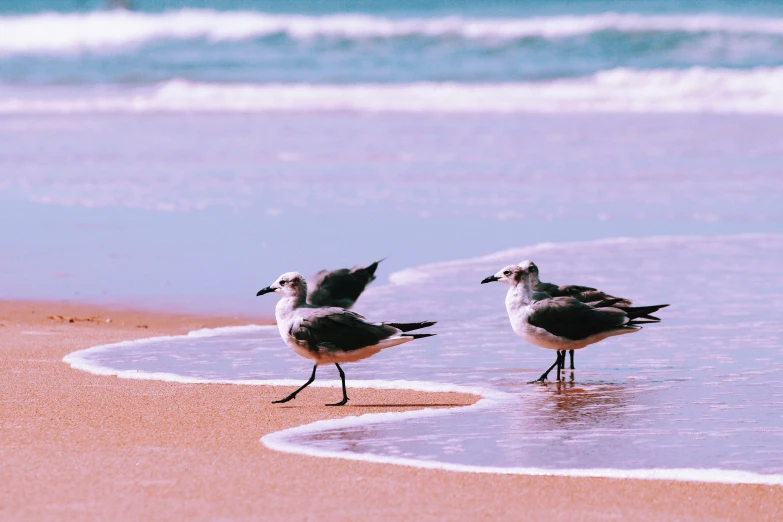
(79, 360)
(420, 273)
(619, 90)
(279, 440)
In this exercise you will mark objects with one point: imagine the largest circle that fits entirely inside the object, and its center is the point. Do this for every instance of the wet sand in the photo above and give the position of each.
(78, 446)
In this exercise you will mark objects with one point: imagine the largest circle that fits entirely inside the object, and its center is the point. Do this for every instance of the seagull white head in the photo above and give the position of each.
(289, 284)
(532, 269)
(511, 275)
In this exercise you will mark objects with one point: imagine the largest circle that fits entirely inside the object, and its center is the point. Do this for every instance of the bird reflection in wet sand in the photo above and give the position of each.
(574, 405)
(562, 323)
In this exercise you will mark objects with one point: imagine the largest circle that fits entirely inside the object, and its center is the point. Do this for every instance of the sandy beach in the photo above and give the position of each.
(79, 446)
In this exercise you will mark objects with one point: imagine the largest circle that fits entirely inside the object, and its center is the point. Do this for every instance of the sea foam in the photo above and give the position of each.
(424, 273)
(694, 90)
(286, 441)
(47, 33)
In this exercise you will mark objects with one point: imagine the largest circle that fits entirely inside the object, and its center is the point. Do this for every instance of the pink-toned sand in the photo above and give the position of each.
(77, 446)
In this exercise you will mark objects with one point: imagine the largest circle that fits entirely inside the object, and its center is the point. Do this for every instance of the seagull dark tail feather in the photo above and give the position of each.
(638, 322)
(409, 327)
(643, 312)
(419, 336)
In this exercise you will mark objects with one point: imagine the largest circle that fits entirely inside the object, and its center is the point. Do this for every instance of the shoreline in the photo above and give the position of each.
(486, 397)
(76, 444)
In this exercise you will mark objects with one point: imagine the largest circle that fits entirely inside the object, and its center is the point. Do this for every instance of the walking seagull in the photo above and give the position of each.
(589, 295)
(558, 323)
(329, 334)
(340, 287)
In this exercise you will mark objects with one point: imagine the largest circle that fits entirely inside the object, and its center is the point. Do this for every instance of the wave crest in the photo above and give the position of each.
(618, 90)
(57, 33)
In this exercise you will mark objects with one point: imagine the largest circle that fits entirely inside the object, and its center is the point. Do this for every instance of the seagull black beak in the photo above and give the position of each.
(265, 291)
(490, 279)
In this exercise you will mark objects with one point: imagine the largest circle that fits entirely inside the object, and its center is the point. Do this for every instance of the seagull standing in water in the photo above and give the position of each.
(340, 287)
(558, 323)
(589, 295)
(328, 335)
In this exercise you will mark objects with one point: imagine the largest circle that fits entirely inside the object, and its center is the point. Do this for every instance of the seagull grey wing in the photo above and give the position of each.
(316, 279)
(572, 319)
(565, 290)
(574, 290)
(342, 287)
(603, 300)
(337, 329)
(368, 272)
(586, 294)
(314, 284)
(326, 288)
(593, 296)
(547, 288)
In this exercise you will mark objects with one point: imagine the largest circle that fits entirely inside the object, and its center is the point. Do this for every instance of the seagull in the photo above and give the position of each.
(558, 323)
(589, 295)
(327, 334)
(340, 287)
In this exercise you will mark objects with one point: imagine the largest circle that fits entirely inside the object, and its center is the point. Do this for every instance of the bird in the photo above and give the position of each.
(340, 287)
(329, 334)
(588, 295)
(558, 323)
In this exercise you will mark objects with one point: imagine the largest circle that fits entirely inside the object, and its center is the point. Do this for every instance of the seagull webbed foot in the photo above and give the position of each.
(341, 403)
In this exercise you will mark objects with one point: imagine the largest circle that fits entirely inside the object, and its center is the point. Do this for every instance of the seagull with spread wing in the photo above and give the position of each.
(329, 335)
(340, 287)
(558, 323)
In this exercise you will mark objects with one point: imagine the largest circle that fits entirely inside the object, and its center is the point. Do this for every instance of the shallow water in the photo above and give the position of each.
(198, 212)
(703, 389)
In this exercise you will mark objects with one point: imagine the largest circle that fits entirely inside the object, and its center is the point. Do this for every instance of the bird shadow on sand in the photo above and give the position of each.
(407, 405)
(411, 405)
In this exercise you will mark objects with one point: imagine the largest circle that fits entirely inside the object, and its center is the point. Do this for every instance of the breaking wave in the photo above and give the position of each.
(48, 33)
(618, 90)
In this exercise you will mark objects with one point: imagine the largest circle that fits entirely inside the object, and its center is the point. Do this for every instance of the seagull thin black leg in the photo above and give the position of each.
(546, 373)
(560, 363)
(345, 394)
(305, 385)
(571, 354)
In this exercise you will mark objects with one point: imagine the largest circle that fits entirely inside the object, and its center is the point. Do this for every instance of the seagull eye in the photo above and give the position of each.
(507, 272)
(283, 282)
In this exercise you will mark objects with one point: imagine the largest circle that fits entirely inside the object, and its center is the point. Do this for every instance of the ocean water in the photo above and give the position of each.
(701, 390)
(181, 155)
(75, 56)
